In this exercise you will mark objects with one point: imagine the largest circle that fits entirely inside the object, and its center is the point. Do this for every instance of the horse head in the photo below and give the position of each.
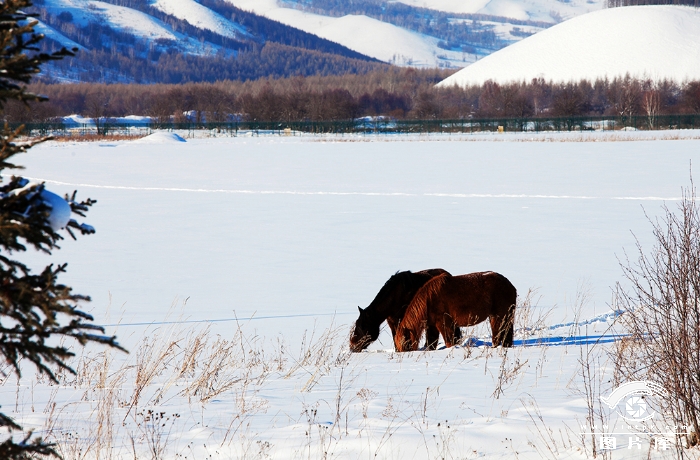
(406, 339)
(365, 332)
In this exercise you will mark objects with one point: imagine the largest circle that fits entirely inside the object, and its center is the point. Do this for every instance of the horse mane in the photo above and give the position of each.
(398, 277)
(416, 315)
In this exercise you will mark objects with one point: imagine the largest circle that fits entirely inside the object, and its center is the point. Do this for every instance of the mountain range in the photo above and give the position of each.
(173, 41)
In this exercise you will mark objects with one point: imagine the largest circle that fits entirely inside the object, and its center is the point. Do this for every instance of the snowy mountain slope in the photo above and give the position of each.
(202, 17)
(534, 10)
(84, 12)
(172, 41)
(56, 36)
(645, 41)
(123, 19)
(365, 35)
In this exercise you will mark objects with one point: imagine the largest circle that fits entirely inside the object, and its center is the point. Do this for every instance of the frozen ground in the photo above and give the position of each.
(232, 223)
(296, 232)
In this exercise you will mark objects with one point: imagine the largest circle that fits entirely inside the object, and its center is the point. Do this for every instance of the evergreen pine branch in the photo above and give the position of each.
(36, 302)
(27, 449)
(23, 216)
(35, 310)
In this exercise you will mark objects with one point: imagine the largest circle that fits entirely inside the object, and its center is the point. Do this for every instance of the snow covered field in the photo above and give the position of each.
(290, 235)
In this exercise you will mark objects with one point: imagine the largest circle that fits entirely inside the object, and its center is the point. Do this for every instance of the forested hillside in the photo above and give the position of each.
(110, 53)
(268, 60)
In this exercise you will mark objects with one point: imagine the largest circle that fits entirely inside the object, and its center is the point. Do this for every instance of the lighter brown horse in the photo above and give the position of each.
(449, 302)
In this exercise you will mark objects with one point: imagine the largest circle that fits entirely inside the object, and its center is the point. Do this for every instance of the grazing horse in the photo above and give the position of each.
(390, 305)
(450, 302)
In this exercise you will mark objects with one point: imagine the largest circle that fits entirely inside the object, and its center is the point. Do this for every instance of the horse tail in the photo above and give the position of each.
(508, 300)
(414, 321)
(508, 340)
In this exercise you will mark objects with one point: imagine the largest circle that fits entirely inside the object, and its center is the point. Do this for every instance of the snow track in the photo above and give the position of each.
(329, 193)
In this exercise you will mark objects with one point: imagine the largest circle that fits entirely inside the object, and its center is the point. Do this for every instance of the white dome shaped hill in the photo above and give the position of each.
(645, 41)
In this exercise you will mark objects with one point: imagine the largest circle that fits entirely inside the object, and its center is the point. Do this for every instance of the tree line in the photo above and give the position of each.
(394, 92)
(616, 3)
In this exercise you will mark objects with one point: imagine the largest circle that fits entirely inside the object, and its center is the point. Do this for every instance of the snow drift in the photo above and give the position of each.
(160, 138)
(645, 41)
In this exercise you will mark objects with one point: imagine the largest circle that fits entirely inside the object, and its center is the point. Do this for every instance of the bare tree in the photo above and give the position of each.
(96, 106)
(651, 103)
(662, 307)
(625, 95)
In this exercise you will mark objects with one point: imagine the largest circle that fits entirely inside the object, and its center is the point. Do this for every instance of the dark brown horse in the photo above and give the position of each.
(450, 302)
(390, 305)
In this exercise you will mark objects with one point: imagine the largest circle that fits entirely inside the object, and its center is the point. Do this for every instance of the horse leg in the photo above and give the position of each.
(508, 325)
(458, 336)
(508, 339)
(502, 331)
(392, 325)
(450, 331)
(432, 335)
(496, 332)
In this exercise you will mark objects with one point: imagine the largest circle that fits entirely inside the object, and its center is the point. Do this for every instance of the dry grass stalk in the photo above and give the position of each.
(591, 373)
(548, 446)
(153, 356)
(530, 319)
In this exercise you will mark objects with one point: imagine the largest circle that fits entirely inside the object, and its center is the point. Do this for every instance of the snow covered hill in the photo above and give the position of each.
(645, 41)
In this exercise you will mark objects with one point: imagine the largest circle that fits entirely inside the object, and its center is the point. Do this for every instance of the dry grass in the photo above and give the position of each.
(127, 398)
(614, 136)
(162, 400)
(92, 137)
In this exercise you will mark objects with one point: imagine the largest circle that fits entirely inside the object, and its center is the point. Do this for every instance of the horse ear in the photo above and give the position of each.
(358, 307)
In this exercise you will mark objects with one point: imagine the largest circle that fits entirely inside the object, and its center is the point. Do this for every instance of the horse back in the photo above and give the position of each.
(393, 299)
(432, 272)
(478, 294)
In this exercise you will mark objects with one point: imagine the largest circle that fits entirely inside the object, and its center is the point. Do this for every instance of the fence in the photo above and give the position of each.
(383, 125)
